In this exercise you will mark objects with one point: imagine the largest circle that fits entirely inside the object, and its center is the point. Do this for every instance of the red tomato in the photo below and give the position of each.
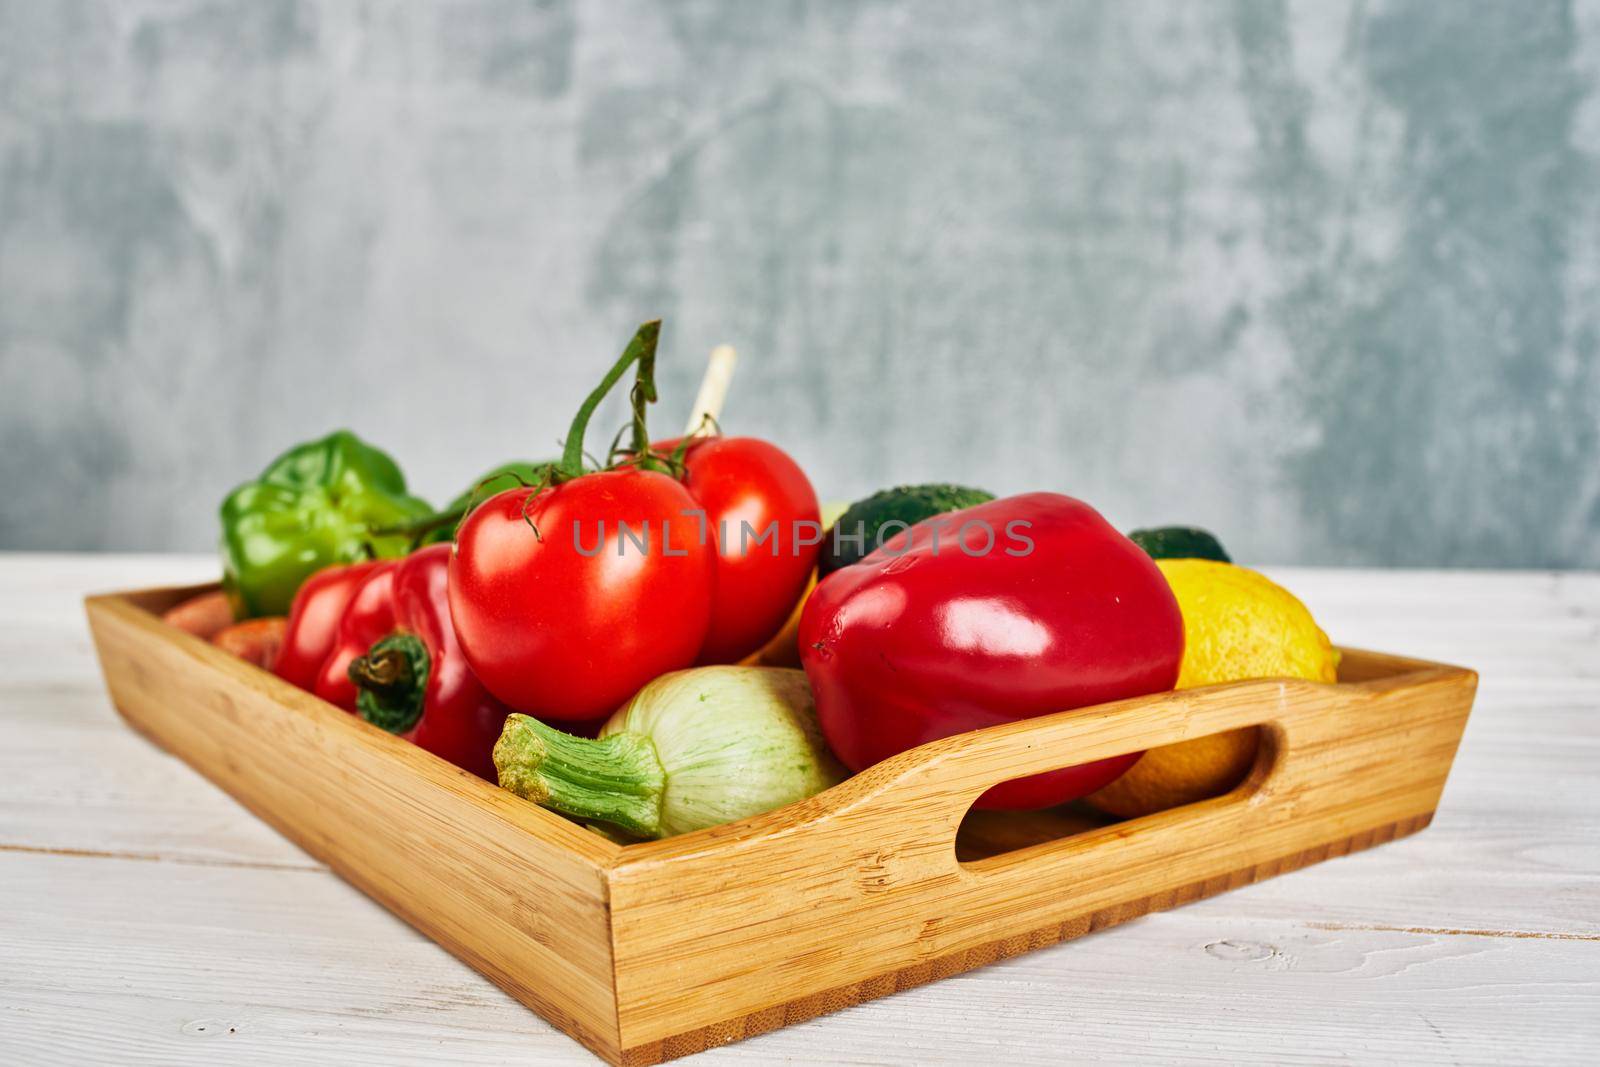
(762, 514)
(570, 621)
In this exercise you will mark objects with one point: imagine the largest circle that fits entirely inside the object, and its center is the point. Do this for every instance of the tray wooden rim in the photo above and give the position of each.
(134, 606)
(1398, 671)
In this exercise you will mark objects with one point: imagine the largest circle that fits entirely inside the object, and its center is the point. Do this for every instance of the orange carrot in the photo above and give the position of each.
(202, 615)
(254, 640)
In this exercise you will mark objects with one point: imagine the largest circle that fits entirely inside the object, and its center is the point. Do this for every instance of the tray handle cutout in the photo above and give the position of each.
(1296, 716)
(938, 783)
(987, 835)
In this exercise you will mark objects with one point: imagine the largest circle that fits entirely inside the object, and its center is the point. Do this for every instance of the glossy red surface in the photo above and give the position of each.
(933, 635)
(368, 617)
(460, 721)
(745, 482)
(571, 620)
(314, 621)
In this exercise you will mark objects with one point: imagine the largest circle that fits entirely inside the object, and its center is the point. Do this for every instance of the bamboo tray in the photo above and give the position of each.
(656, 950)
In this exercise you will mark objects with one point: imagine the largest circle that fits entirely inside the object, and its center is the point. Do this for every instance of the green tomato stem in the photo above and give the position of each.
(642, 395)
(417, 528)
(641, 348)
(616, 780)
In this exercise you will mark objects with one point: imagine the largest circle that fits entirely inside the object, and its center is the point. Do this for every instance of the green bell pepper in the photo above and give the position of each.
(316, 505)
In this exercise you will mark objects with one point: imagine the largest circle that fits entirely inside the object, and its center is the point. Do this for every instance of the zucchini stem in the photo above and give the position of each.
(617, 780)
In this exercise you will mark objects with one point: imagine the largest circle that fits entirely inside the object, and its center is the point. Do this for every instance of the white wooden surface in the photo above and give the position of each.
(145, 917)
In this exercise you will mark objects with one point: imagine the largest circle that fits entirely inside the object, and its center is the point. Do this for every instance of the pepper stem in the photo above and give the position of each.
(617, 780)
(641, 348)
(418, 528)
(392, 682)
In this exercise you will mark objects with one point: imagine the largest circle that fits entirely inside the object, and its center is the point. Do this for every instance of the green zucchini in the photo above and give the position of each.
(909, 504)
(1179, 542)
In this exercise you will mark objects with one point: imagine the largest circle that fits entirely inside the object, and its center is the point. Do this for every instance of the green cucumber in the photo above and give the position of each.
(908, 504)
(1179, 542)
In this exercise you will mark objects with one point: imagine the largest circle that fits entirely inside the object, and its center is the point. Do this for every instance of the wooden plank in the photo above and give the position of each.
(120, 961)
(138, 800)
(177, 964)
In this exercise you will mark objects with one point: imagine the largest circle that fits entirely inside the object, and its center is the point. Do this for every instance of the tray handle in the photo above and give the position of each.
(949, 774)
(940, 781)
(919, 797)
(905, 811)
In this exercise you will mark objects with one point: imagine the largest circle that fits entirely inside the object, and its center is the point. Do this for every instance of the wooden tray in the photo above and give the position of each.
(657, 950)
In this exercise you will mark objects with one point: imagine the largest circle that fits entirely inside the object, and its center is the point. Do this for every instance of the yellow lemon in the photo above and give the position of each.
(1237, 624)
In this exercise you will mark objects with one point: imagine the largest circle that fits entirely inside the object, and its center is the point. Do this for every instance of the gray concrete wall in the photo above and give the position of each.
(1322, 275)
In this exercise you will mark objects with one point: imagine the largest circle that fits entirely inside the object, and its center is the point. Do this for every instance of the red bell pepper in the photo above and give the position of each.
(314, 621)
(368, 618)
(1012, 609)
(412, 679)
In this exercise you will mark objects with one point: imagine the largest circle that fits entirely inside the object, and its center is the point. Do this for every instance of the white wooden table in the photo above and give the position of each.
(144, 916)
